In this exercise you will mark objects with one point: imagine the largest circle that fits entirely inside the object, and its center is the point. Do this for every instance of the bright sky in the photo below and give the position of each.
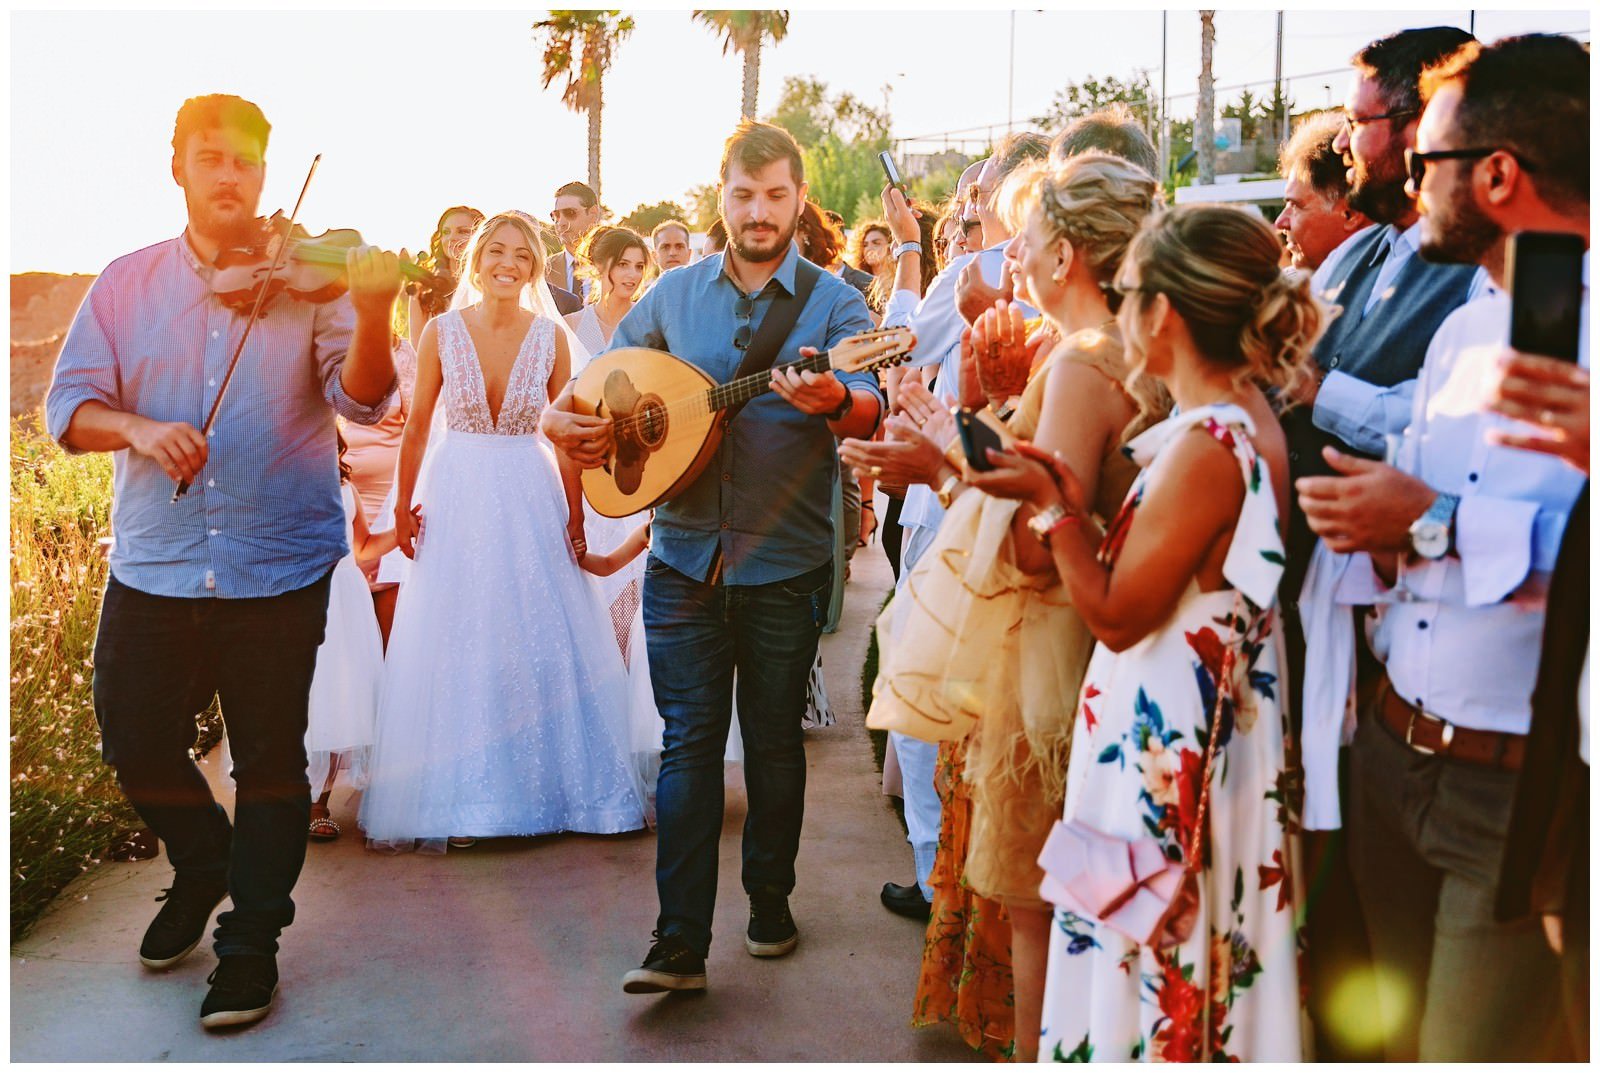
(417, 110)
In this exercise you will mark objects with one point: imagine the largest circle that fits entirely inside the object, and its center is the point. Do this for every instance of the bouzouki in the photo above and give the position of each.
(664, 413)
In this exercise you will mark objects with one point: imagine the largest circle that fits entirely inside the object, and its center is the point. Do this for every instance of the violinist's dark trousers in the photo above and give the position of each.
(697, 634)
(158, 661)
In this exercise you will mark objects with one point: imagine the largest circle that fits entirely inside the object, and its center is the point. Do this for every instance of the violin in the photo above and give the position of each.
(310, 268)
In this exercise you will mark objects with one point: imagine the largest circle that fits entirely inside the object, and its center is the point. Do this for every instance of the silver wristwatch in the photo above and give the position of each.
(1430, 534)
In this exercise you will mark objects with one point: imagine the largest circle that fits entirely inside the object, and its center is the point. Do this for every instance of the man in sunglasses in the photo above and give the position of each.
(1462, 534)
(576, 213)
(1389, 302)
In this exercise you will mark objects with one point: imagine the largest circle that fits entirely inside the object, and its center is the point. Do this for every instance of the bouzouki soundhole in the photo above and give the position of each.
(651, 422)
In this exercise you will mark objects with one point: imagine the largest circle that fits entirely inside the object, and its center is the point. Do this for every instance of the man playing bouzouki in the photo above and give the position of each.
(741, 563)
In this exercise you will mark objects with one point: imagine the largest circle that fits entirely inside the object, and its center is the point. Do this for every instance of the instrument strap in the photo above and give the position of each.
(776, 325)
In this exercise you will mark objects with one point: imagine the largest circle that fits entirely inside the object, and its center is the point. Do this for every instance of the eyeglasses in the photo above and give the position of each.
(1417, 162)
(743, 307)
(566, 214)
(1351, 120)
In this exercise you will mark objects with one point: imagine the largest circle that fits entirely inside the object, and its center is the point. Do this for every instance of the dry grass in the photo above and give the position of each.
(66, 809)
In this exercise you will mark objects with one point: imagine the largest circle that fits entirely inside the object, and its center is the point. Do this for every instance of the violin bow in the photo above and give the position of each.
(255, 314)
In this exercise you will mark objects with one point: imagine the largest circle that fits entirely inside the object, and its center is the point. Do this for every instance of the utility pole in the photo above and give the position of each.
(1166, 129)
(1205, 113)
(1011, 70)
(1280, 107)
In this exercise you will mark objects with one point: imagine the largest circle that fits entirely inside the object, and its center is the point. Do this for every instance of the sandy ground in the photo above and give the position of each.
(514, 949)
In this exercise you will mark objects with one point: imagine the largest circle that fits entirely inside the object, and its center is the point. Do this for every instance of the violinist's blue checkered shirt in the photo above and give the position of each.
(264, 516)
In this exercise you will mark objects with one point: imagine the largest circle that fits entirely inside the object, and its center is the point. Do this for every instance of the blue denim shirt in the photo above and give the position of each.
(765, 498)
(264, 516)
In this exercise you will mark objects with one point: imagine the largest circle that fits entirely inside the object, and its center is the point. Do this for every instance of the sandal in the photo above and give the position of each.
(872, 533)
(323, 829)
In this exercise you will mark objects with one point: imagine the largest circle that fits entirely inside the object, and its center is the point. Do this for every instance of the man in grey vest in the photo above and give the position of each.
(1389, 303)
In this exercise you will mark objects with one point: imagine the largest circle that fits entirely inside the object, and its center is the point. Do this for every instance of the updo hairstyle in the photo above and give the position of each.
(604, 246)
(1096, 201)
(1218, 266)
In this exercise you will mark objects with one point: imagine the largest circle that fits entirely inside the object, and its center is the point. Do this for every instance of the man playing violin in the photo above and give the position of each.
(223, 592)
(741, 564)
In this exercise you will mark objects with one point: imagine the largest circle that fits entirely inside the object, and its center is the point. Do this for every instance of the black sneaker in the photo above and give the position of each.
(181, 924)
(671, 965)
(242, 987)
(772, 932)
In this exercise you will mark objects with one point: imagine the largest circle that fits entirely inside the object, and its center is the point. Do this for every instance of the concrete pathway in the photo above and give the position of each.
(513, 950)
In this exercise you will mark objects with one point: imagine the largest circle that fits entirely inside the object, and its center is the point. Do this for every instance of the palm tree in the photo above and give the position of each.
(580, 45)
(1205, 144)
(744, 31)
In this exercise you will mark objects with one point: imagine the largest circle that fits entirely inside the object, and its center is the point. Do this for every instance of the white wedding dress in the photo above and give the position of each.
(505, 706)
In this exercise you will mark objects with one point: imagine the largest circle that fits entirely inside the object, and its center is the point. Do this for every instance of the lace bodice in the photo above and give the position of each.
(466, 401)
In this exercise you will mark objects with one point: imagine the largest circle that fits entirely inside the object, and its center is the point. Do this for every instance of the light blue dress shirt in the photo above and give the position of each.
(765, 499)
(1460, 636)
(264, 516)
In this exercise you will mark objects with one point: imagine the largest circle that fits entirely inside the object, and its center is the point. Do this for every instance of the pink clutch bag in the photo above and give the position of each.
(1130, 887)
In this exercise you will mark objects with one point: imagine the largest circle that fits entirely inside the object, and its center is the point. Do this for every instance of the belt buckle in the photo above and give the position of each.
(1445, 736)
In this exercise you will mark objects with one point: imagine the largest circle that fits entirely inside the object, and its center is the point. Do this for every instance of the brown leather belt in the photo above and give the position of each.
(1431, 735)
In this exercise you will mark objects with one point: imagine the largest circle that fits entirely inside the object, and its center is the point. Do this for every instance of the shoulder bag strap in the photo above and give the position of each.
(775, 327)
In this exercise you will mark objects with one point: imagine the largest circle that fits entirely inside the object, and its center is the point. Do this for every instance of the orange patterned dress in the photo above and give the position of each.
(966, 957)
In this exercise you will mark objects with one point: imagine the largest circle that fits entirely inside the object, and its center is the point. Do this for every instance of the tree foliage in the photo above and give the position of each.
(744, 31)
(644, 218)
(703, 206)
(580, 46)
(840, 138)
(1094, 93)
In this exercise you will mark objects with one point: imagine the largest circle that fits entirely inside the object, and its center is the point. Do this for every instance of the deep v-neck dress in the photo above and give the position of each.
(505, 705)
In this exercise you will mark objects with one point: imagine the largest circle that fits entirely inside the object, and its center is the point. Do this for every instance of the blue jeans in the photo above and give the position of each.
(698, 635)
(158, 661)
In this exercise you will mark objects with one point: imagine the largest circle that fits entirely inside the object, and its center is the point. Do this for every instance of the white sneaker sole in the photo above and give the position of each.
(152, 963)
(771, 950)
(652, 982)
(235, 1018)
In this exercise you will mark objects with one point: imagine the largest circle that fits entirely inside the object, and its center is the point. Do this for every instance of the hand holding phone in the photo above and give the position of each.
(893, 173)
(977, 431)
(1545, 270)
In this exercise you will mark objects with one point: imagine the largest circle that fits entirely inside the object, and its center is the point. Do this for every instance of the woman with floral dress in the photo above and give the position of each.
(1186, 572)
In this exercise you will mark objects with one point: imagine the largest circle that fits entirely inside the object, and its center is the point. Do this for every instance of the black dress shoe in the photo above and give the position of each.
(907, 901)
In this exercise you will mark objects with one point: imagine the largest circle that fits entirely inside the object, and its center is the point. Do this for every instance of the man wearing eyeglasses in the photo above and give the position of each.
(1390, 302)
(576, 213)
(1462, 534)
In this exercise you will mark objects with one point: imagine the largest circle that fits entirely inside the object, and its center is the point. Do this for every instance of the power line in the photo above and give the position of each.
(946, 135)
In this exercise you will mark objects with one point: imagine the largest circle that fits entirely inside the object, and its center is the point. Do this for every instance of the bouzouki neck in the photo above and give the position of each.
(742, 390)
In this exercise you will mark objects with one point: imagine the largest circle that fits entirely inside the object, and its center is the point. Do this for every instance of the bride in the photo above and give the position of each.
(505, 701)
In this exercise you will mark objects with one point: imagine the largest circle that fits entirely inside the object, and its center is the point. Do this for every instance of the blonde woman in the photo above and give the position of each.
(505, 701)
(1179, 746)
(1020, 648)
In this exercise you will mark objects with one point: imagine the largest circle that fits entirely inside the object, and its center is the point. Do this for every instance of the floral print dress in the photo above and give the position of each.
(1230, 991)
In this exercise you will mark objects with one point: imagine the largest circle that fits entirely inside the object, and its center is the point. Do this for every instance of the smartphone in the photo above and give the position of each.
(893, 173)
(976, 438)
(1546, 274)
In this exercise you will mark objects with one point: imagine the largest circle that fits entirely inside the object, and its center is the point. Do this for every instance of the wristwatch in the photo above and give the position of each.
(947, 491)
(844, 407)
(1430, 534)
(1044, 524)
(910, 246)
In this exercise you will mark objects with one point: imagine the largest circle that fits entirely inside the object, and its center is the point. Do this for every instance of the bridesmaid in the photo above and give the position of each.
(450, 237)
(619, 260)
(371, 455)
